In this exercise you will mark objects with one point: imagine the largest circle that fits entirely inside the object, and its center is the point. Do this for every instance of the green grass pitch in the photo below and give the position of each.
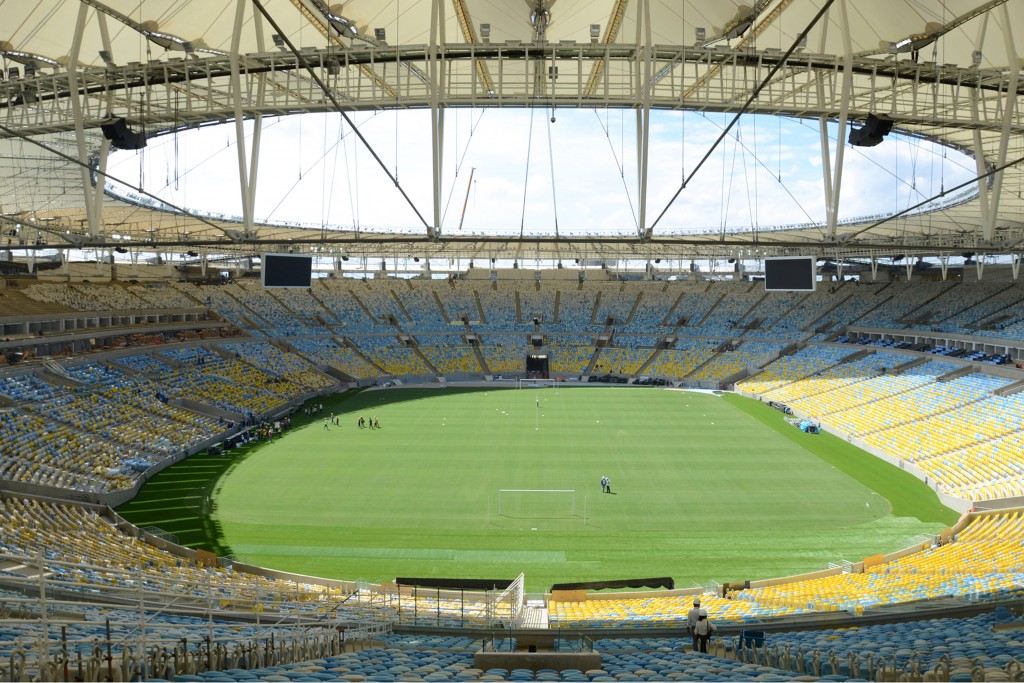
(705, 488)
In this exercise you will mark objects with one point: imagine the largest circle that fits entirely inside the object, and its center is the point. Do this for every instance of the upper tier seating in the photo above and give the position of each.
(322, 351)
(386, 353)
(683, 358)
(449, 354)
(747, 355)
(505, 354)
(786, 369)
(723, 319)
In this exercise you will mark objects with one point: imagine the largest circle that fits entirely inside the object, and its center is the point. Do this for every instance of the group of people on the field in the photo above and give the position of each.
(372, 423)
(361, 423)
(313, 408)
(264, 431)
(335, 420)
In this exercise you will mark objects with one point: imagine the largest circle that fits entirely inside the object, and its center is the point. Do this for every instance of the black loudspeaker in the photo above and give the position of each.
(872, 132)
(121, 136)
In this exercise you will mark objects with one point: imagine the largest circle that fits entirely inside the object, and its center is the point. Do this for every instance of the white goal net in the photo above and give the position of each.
(523, 383)
(537, 503)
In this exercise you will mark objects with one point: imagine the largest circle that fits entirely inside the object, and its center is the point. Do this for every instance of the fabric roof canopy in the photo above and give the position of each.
(947, 70)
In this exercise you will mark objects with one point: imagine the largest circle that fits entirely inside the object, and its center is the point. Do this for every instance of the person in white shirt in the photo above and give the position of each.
(691, 621)
(703, 630)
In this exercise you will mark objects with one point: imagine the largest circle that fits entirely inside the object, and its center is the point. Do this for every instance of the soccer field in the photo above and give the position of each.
(704, 487)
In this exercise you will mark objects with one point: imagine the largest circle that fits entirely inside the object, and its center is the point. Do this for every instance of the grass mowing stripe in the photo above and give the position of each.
(447, 554)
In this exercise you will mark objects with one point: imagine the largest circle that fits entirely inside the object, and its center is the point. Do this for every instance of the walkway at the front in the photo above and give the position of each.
(533, 615)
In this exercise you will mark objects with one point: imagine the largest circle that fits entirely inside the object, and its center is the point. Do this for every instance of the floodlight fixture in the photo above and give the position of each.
(485, 33)
(595, 32)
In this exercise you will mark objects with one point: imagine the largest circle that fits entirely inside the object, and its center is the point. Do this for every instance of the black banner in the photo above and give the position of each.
(456, 584)
(665, 582)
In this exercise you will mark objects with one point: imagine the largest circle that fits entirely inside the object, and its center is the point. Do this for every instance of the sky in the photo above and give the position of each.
(539, 171)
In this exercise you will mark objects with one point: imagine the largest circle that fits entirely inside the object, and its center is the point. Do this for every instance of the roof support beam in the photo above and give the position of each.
(750, 37)
(643, 113)
(331, 32)
(104, 153)
(611, 32)
(435, 71)
(1009, 111)
(469, 33)
(246, 181)
(832, 187)
(974, 95)
(92, 203)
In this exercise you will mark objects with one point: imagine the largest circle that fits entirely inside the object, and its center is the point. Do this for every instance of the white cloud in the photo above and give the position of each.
(580, 170)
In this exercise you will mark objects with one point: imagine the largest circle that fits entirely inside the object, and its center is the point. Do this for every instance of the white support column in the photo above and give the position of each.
(101, 21)
(245, 187)
(979, 148)
(436, 72)
(944, 260)
(832, 208)
(979, 161)
(257, 119)
(1009, 110)
(823, 145)
(643, 113)
(1015, 265)
(92, 217)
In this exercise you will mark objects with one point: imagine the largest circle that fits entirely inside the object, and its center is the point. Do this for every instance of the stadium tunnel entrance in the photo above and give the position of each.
(537, 366)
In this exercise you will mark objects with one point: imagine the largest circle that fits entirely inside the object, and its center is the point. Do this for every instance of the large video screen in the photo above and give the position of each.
(790, 274)
(287, 270)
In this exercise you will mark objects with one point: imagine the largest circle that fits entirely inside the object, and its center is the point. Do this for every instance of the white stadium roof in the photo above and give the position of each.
(944, 70)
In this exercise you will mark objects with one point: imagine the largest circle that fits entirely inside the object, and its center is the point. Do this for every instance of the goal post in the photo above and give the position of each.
(537, 503)
(524, 383)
